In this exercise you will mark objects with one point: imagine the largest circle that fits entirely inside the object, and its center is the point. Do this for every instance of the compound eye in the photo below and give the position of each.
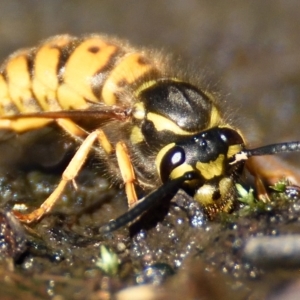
(171, 160)
(231, 137)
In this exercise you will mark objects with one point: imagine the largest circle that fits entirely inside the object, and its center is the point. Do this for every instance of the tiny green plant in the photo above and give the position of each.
(246, 197)
(108, 261)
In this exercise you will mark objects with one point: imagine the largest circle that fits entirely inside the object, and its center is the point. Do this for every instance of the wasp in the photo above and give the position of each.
(152, 127)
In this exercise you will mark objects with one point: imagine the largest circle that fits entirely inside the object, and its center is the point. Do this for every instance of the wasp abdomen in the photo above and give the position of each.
(66, 73)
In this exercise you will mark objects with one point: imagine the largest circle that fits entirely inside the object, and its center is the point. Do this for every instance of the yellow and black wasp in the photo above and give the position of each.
(151, 127)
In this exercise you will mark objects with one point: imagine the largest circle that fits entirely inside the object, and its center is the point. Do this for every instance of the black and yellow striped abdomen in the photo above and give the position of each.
(66, 72)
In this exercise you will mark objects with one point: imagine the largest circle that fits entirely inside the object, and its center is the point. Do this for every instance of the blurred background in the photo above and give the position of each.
(249, 50)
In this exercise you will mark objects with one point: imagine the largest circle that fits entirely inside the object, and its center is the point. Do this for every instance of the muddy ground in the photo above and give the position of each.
(249, 53)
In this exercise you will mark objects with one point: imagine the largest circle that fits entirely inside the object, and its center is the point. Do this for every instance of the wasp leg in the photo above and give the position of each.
(79, 133)
(20, 125)
(262, 193)
(124, 162)
(122, 154)
(68, 175)
(269, 170)
(272, 169)
(104, 142)
(72, 128)
(127, 172)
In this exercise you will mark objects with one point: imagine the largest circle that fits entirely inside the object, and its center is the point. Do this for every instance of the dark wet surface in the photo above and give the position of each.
(249, 52)
(60, 254)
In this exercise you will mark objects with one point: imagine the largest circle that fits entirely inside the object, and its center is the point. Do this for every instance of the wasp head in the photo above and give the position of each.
(209, 155)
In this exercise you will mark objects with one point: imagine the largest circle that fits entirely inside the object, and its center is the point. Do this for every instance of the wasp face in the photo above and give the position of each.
(207, 154)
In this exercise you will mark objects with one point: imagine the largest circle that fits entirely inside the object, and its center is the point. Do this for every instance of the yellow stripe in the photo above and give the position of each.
(132, 67)
(19, 83)
(4, 97)
(82, 72)
(215, 117)
(70, 99)
(45, 81)
(24, 124)
(163, 123)
(148, 84)
(145, 85)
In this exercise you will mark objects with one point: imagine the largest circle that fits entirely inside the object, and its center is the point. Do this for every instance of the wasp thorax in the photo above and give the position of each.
(169, 109)
(185, 105)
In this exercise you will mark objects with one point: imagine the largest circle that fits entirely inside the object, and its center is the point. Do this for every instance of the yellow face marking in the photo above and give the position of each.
(234, 149)
(163, 123)
(180, 170)
(204, 194)
(82, 71)
(45, 81)
(211, 169)
(136, 135)
(19, 83)
(132, 67)
(225, 185)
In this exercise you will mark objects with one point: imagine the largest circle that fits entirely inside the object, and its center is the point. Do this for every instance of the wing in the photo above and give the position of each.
(37, 132)
(91, 117)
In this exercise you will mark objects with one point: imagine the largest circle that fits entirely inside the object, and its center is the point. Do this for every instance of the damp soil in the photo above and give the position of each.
(249, 52)
(172, 252)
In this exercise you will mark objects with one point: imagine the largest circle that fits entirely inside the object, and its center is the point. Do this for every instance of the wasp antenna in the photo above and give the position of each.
(267, 150)
(170, 188)
(274, 148)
